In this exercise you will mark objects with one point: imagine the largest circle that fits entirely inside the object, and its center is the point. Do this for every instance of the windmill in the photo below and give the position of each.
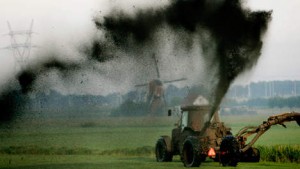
(155, 96)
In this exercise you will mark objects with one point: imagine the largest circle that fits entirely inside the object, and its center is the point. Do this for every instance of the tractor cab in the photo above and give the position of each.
(194, 117)
(195, 124)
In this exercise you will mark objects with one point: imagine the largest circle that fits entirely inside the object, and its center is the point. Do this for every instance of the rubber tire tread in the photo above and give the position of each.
(191, 153)
(161, 152)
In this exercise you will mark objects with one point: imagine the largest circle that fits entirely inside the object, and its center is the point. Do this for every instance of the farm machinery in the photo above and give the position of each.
(194, 141)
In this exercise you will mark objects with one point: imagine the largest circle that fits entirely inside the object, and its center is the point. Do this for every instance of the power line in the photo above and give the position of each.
(21, 51)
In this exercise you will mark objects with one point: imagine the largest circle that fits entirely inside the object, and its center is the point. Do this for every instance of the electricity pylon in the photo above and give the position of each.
(21, 51)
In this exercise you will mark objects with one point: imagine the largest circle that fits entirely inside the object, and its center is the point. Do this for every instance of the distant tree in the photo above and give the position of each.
(175, 101)
(130, 108)
(291, 102)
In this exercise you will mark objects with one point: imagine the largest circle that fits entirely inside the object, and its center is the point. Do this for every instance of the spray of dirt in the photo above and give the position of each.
(229, 35)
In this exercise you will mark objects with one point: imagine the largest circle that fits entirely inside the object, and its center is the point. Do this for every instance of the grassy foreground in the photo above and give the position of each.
(113, 142)
(112, 162)
(279, 153)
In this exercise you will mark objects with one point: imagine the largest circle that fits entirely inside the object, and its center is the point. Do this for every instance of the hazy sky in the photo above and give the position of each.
(281, 55)
(63, 24)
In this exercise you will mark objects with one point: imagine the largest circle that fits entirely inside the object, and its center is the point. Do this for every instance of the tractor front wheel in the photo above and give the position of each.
(161, 151)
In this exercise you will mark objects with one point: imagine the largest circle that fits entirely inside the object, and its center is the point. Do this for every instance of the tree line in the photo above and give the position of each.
(275, 102)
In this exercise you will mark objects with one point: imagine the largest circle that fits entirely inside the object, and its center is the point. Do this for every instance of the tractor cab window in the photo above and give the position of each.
(184, 120)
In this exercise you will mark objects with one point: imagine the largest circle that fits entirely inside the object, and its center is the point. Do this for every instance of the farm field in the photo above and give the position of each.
(114, 142)
(112, 162)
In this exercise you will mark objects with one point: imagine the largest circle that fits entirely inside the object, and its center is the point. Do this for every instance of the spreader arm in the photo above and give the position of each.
(245, 132)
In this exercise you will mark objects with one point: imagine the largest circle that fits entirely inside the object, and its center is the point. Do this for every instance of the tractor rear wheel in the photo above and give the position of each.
(191, 153)
(251, 155)
(256, 155)
(229, 151)
(161, 151)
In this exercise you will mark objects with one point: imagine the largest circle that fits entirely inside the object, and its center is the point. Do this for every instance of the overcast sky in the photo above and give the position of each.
(65, 23)
(281, 55)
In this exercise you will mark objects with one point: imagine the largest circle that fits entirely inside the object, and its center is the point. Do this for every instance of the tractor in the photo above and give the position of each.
(194, 141)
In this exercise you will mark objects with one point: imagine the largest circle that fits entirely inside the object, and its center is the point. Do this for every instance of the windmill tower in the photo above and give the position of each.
(21, 50)
(155, 96)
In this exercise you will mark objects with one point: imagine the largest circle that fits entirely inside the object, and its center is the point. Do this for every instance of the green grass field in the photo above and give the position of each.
(80, 143)
(112, 162)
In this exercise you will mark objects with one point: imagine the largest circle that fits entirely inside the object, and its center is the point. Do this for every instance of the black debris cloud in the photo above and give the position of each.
(232, 32)
(235, 32)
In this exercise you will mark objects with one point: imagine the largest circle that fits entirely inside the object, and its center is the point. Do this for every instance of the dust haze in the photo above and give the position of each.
(207, 41)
